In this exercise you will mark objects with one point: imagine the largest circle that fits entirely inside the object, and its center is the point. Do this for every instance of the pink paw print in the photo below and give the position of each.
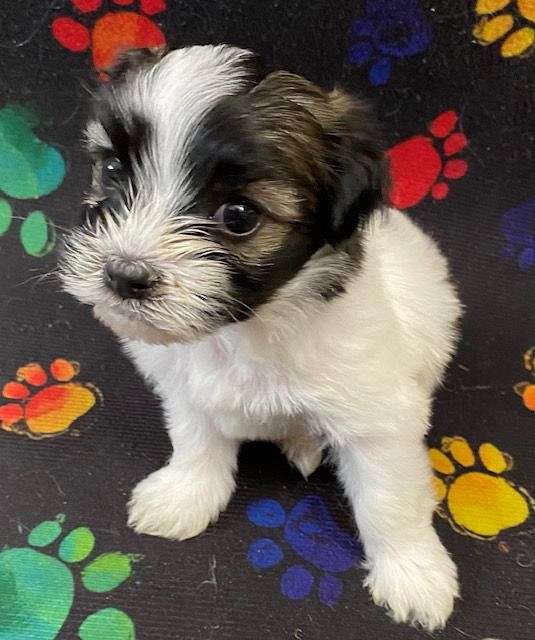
(111, 33)
(418, 168)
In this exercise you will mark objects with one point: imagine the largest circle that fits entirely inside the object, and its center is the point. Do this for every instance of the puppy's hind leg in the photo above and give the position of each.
(303, 450)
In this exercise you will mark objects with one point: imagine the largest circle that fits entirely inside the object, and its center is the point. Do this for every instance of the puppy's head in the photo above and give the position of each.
(212, 188)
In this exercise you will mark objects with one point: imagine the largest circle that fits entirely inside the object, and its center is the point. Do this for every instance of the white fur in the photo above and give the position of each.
(359, 372)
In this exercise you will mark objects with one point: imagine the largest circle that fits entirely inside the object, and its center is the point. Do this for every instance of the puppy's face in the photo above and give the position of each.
(211, 189)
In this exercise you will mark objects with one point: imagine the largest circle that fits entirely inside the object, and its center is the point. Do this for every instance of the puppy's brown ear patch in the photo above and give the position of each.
(345, 150)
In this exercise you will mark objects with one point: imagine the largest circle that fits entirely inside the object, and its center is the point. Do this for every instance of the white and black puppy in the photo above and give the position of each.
(238, 245)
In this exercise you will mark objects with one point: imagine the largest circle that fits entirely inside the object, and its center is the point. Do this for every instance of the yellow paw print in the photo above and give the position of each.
(491, 27)
(478, 503)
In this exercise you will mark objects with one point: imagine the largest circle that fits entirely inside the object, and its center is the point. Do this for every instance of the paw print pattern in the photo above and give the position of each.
(29, 169)
(37, 589)
(481, 503)
(497, 20)
(311, 532)
(388, 30)
(526, 390)
(418, 168)
(111, 33)
(518, 228)
(52, 409)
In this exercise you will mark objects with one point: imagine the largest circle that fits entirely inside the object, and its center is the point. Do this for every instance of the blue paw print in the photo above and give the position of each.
(518, 227)
(310, 530)
(388, 29)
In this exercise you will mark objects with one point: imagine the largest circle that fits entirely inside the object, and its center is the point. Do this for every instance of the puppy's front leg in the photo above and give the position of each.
(388, 482)
(181, 499)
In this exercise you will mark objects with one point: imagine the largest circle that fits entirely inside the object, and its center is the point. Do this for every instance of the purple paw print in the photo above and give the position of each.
(311, 532)
(518, 228)
(388, 29)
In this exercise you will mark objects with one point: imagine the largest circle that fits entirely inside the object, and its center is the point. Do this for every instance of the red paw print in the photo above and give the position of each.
(418, 168)
(111, 33)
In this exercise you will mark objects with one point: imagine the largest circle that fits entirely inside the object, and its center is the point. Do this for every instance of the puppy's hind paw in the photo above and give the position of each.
(417, 587)
(305, 453)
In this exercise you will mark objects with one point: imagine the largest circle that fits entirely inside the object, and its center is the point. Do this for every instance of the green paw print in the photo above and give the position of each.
(37, 590)
(29, 169)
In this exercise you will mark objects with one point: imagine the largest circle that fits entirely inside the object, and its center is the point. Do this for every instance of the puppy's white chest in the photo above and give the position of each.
(246, 397)
(230, 382)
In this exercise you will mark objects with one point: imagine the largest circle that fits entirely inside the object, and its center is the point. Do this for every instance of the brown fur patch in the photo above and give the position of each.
(282, 201)
(327, 108)
(283, 207)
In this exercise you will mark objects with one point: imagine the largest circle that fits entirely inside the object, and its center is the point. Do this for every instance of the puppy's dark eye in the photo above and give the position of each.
(238, 219)
(112, 168)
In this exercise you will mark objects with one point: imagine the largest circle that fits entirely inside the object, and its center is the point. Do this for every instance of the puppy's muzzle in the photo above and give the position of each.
(130, 280)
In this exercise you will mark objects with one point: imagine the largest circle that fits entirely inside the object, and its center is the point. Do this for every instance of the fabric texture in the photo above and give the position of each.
(453, 83)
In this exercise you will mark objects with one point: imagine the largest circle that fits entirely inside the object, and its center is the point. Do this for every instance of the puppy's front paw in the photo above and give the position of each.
(418, 586)
(177, 504)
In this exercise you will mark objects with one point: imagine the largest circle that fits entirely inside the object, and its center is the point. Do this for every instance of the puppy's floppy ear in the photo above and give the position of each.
(339, 145)
(356, 180)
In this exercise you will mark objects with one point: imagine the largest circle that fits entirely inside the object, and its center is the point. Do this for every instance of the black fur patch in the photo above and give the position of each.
(127, 136)
(357, 184)
(133, 60)
(256, 284)
(228, 153)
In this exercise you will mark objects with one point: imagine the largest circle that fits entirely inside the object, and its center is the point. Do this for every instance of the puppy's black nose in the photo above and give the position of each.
(129, 279)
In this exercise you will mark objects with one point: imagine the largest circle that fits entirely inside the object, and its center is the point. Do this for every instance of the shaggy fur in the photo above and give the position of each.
(328, 322)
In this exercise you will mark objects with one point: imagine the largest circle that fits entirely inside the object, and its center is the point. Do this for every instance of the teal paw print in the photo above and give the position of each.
(37, 590)
(29, 169)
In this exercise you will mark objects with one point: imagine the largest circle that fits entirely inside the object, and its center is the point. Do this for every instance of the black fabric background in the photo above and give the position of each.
(122, 440)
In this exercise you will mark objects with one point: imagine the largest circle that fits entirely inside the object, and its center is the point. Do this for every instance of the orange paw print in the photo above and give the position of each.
(53, 408)
(112, 33)
(526, 389)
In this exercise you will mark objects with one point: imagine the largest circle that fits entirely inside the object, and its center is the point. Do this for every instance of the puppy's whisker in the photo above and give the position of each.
(247, 308)
(40, 277)
(54, 224)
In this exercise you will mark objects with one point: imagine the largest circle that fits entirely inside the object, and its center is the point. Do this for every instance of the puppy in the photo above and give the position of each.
(238, 244)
